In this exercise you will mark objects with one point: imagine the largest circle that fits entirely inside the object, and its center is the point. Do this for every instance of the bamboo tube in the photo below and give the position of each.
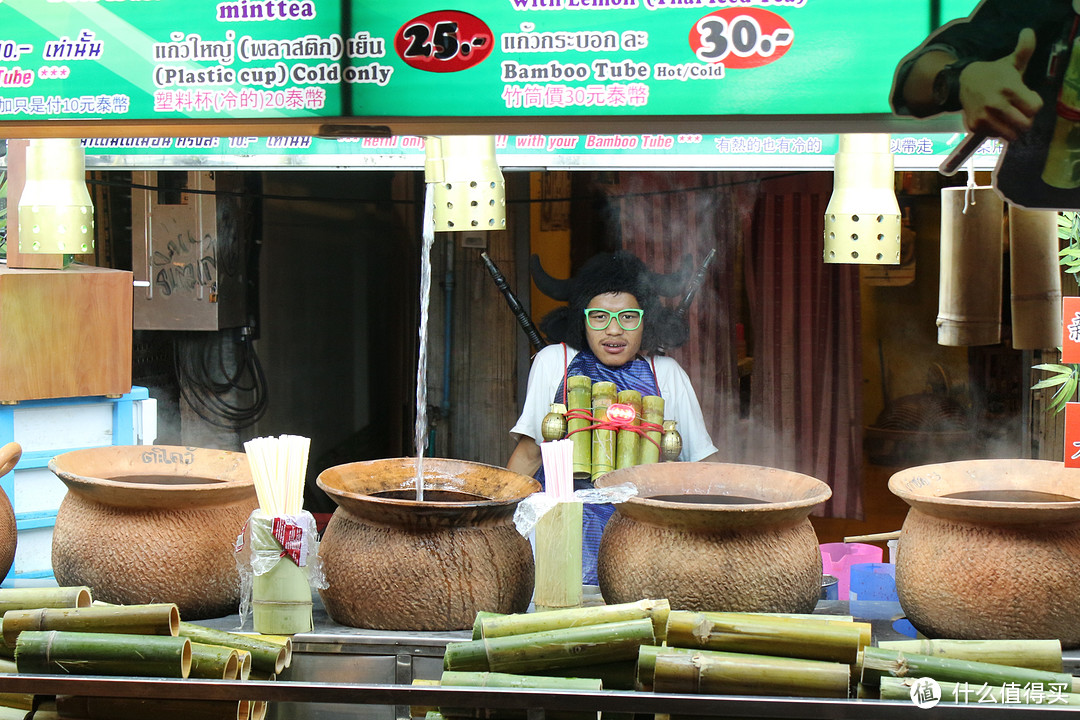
(19, 701)
(280, 598)
(652, 412)
(244, 670)
(646, 664)
(522, 623)
(969, 291)
(627, 441)
(416, 711)
(834, 640)
(744, 674)
(266, 655)
(614, 675)
(157, 619)
(114, 708)
(893, 688)
(214, 661)
(878, 662)
(567, 647)
(603, 440)
(31, 598)
(579, 398)
(506, 680)
(1034, 654)
(258, 709)
(1035, 279)
(478, 623)
(89, 653)
(558, 557)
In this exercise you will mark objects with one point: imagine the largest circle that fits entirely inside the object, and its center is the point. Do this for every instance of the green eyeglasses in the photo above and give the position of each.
(599, 318)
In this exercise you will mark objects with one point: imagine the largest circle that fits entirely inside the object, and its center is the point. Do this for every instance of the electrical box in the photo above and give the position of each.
(189, 250)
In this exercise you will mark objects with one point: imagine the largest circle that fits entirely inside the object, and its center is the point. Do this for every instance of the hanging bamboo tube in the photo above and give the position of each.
(837, 641)
(652, 412)
(969, 293)
(1035, 279)
(627, 441)
(893, 688)
(156, 619)
(880, 662)
(31, 598)
(603, 439)
(522, 623)
(115, 708)
(89, 653)
(579, 401)
(568, 647)
(1034, 654)
(507, 680)
(214, 661)
(726, 673)
(266, 655)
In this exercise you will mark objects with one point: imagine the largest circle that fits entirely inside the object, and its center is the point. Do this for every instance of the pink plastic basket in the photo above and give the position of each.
(837, 559)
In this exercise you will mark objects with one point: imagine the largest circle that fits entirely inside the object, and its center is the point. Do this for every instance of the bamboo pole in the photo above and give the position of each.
(652, 412)
(214, 661)
(156, 619)
(579, 398)
(811, 639)
(567, 647)
(244, 670)
(19, 701)
(747, 674)
(894, 688)
(521, 623)
(879, 662)
(506, 680)
(478, 623)
(30, 598)
(626, 454)
(614, 675)
(88, 653)
(266, 655)
(1034, 654)
(603, 439)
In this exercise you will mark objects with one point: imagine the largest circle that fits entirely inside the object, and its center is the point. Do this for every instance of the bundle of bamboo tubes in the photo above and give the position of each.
(61, 631)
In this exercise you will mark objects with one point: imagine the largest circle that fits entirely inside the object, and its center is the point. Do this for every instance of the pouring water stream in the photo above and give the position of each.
(421, 364)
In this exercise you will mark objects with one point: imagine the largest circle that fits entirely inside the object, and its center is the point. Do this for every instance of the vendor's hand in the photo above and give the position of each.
(994, 98)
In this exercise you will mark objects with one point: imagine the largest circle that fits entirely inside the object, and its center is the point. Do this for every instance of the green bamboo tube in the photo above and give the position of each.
(894, 688)
(614, 675)
(244, 661)
(280, 598)
(579, 397)
(113, 708)
(558, 557)
(48, 597)
(478, 623)
(416, 711)
(258, 710)
(507, 680)
(266, 655)
(18, 701)
(652, 411)
(89, 653)
(603, 441)
(836, 641)
(521, 623)
(878, 662)
(214, 661)
(1034, 654)
(646, 664)
(724, 673)
(567, 647)
(627, 441)
(156, 619)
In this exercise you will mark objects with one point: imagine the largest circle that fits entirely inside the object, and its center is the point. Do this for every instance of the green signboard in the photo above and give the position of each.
(168, 60)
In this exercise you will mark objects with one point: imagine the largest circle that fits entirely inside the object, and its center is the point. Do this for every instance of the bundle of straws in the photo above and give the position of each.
(558, 458)
(278, 468)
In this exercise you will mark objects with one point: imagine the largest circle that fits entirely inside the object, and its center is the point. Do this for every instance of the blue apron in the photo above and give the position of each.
(635, 375)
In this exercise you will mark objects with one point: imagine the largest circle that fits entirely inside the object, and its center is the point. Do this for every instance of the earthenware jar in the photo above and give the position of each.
(9, 458)
(991, 549)
(394, 562)
(714, 536)
(153, 523)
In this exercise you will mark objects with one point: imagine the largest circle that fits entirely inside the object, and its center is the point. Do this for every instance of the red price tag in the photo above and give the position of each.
(444, 41)
(620, 414)
(1072, 435)
(1070, 330)
(741, 37)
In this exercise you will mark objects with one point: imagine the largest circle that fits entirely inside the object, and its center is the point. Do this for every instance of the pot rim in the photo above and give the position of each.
(923, 486)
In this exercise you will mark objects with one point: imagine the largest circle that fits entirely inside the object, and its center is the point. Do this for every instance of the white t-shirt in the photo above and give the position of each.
(680, 402)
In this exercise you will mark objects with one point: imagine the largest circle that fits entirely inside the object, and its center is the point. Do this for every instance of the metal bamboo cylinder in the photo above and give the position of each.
(1035, 278)
(969, 294)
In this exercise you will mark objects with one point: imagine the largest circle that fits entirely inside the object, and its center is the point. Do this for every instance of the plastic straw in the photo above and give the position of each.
(558, 458)
(278, 469)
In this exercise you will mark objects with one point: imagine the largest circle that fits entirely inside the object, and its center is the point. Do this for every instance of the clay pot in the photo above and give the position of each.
(9, 458)
(395, 563)
(978, 567)
(144, 524)
(760, 556)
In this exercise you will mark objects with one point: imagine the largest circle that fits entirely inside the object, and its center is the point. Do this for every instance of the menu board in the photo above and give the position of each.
(264, 59)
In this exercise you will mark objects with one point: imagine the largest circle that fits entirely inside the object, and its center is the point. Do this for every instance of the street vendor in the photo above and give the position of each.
(610, 330)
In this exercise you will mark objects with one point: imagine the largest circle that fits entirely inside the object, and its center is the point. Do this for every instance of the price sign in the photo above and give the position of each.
(1070, 330)
(444, 41)
(741, 38)
(1072, 435)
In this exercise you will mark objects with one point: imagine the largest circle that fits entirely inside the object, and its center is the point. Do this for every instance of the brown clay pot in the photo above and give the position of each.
(754, 557)
(9, 458)
(395, 563)
(145, 523)
(983, 568)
